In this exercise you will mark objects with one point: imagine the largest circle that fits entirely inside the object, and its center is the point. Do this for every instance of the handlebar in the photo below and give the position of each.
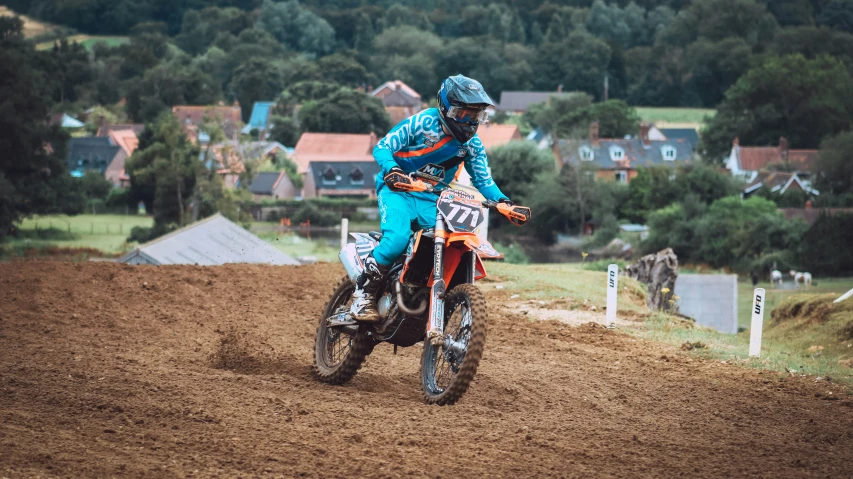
(517, 215)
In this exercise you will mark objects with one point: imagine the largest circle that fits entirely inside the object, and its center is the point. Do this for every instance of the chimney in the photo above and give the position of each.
(644, 134)
(593, 134)
(560, 88)
(808, 204)
(783, 150)
(736, 142)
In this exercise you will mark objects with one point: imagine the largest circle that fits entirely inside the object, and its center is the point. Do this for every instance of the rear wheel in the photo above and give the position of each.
(338, 355)
(447, 370)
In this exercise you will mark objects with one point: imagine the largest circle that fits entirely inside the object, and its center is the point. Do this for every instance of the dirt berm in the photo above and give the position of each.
(109, 370)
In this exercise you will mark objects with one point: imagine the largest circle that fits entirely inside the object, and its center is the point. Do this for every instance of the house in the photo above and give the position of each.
(337, 164)
(259, 120)
(192, 117)
(520, 101)
(498, 135)
(209, 242)
(272, 185)
(262, 150)
(105, 130)
(65, 121)
(128, 142)
(492, 136)
(687, 134)
(618, 158)
(400, 100)
(745, 162)
(810, 215)
(91, 153)
(778, 182)
(398, 94)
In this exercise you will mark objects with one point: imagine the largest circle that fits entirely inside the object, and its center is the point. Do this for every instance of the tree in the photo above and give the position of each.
(834, 167)
(516, 165)
(297, 27)
(342, 69)
(838, 15)
(716, 20)
(569, 116)
(163, 171)
(346, 111)
(579, 62)
(813, 42)
(33, 175)
(256, 80)
(791, 96)
(826, 246)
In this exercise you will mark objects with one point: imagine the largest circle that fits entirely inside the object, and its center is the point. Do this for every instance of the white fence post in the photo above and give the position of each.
(612, 292)
(344, 232)
(758, 305)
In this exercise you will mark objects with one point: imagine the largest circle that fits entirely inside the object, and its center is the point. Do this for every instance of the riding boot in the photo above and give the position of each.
(366, 288)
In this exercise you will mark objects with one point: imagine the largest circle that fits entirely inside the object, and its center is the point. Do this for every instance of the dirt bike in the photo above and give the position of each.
(428, 295)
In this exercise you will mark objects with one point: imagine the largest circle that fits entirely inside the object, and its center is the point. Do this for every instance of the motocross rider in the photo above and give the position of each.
(445, 136)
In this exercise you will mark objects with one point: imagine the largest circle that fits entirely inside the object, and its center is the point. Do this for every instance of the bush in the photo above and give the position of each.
(825, 248)
(50, 234)
(603, 264)
(142, 234)
(513, 253)
(314, 214)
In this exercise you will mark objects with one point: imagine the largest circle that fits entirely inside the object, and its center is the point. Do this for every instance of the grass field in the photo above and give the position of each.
(674, 117)
(775, 297)
(32, 27)
(88, 41)
(107, 233)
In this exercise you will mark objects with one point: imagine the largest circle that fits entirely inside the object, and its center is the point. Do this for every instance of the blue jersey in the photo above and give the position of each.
(419, 140)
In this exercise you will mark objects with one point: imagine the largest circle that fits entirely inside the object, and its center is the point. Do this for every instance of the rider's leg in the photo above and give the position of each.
(396, 214)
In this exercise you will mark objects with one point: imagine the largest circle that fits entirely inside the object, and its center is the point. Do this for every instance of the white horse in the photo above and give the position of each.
(776, 277)
(805, 278)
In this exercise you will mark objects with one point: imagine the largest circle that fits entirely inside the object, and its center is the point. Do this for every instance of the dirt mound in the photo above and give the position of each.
(114, 370)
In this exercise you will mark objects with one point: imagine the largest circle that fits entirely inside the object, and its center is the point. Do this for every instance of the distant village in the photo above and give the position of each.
(336, 165)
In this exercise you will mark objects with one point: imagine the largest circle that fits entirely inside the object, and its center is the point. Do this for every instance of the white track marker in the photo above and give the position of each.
(757, 323)
(344, 232)
(612, 292)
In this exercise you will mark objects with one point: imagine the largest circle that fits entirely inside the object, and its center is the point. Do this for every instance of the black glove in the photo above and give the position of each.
(506, 201)
(395, 175)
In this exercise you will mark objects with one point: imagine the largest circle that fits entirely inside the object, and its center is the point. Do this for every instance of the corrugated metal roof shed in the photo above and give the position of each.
(209, 242)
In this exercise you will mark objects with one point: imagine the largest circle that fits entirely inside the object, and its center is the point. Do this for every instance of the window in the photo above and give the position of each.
(617, 153)
(586, 153)
(329, 176)
(356, 176)
(621, 177)
(668, 152)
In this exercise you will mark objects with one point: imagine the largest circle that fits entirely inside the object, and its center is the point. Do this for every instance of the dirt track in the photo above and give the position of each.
(106, 370)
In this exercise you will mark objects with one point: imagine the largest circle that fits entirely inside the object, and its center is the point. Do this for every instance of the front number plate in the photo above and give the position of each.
(460, 211)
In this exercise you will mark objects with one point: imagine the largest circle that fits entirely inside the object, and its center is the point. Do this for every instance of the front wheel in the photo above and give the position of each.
(337, 355)
(447, 369)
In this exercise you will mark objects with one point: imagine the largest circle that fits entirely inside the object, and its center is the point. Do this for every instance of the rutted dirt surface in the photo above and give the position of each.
(109, 370)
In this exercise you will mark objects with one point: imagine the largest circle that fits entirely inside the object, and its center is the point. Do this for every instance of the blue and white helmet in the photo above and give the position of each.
(462, 104)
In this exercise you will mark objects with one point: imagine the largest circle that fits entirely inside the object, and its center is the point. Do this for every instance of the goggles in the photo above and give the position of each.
(467, 115)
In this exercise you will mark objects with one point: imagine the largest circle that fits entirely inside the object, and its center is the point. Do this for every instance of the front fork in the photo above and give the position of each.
(435, 325)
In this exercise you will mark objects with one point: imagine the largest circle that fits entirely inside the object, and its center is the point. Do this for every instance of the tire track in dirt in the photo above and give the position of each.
(109, 370)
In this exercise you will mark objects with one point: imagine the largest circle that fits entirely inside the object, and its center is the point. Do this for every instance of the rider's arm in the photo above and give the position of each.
(393, 142)
(477, 165)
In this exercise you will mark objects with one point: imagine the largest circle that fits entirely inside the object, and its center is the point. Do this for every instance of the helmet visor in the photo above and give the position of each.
(467, 115)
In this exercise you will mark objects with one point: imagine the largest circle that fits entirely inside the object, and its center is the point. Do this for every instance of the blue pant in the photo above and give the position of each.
(397, 213)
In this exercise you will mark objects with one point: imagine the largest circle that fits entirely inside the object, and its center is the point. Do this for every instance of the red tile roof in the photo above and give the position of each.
(400, 113)
(497, 135)
(395, 85)
(197, 114)
(333, 147)
(802, 159)
(126, 139)
(758, 157)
